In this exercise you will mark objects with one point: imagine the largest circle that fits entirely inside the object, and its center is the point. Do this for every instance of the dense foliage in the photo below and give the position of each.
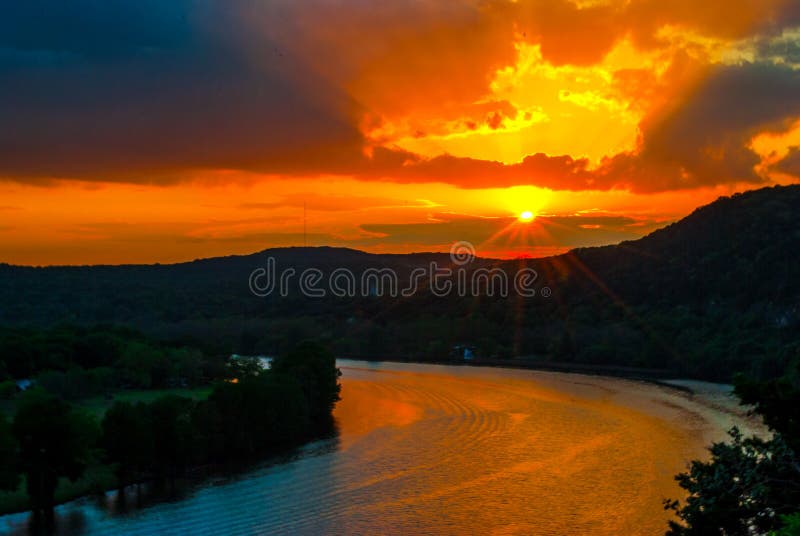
(777, 400)
(707, 296)
(743, 490)
(750, 485)
(244, 417)
(8, 457)
(75, 362)
(314, 367)
(54, 441)
(257, 413)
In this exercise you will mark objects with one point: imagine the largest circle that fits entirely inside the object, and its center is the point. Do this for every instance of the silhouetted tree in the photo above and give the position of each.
(776, 400)
(314, 366)
(211, 439)
(242, 367)
(8, 390)
(55, 441)
(750, 485)
(172, 434)
(790, 525)
(9, 477)
(261, 412)
(742, 490)
(127, 439)
(142, 365)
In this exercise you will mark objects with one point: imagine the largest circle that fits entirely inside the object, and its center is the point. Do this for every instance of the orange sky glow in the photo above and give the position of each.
(403, 127)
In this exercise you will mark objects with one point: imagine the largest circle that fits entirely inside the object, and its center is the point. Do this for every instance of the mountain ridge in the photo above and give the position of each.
(715, 292)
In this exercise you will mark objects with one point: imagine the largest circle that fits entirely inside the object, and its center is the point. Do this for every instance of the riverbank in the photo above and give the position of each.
(530, 363)
(99, 477)
(256, 415)
(443, 449)
(718, 396)
(721, 398)
(710, 408)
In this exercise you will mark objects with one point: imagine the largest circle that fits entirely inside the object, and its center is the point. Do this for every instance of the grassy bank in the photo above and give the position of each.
(98, 405)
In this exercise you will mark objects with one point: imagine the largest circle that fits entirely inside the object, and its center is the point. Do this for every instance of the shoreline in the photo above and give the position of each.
(712, 402)
(615, 371)
(715, 402)
(661, 377)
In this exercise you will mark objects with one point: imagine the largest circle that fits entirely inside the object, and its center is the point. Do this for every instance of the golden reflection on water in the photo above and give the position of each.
(462, 450)
(451, 450)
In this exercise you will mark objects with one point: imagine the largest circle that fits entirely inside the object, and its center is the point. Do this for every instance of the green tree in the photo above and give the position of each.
(314, 366)
(776, 400)
(241, 367)
(127, 439)
(750, 485)
(143, 365)
(3, 370)
(9, 477)
(55, 441)
(210, 436)
(186, 365)
(259, 413)
(8, 390)
(172, 433)
(747, 484)
(790, 525)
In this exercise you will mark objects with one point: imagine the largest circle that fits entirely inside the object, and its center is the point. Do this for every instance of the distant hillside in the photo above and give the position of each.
(711, 294)
(743, 248)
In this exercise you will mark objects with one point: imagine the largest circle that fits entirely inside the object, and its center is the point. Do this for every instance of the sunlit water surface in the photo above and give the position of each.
(449, 450)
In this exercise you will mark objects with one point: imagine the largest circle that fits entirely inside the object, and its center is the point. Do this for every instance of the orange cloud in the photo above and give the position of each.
(200, 128)
(307, 88)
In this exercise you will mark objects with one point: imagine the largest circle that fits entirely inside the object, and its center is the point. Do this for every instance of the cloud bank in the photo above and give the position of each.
(149, 91)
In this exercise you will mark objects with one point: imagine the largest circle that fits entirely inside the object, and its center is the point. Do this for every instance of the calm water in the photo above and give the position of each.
(448, 450)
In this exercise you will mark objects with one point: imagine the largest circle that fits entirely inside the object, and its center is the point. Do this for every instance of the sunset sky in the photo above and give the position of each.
(163, 131)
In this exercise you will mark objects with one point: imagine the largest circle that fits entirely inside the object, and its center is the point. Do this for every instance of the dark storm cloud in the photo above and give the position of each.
(788, 49)
(98, 29)
(704, 141)
(116, 89)
(147, 90)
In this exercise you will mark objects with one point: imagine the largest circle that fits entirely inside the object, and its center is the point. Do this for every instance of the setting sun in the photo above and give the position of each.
(526, 216)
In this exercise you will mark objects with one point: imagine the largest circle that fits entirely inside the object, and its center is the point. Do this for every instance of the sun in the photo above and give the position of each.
(526, 216)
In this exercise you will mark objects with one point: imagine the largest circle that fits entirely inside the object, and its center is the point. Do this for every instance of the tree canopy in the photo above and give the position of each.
(751, 485)
(55, 440)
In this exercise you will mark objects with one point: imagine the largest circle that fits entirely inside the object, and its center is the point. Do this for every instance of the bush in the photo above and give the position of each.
(748, 483)
(314, 367)
(55, 440)
(790, 525)
(9, 478)
(128, 439)
(8, 390)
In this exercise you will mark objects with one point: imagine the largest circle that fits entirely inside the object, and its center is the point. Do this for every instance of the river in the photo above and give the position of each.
(450, 450)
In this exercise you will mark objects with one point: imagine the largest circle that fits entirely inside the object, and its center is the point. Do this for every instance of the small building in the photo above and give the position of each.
(24, 385)
(462, 351)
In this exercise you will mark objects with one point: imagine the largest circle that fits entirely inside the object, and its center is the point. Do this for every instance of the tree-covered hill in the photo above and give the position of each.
(714, 293)
(743, 248)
